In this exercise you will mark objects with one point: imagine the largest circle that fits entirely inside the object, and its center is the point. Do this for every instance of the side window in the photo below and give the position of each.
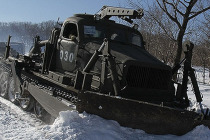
(70, 31)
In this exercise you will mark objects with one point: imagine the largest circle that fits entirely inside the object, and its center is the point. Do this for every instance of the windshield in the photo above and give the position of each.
(117, 34)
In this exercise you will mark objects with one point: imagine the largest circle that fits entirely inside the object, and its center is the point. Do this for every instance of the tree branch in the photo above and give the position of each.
(199, 12)
(183, 4)
(162, 27)
(169, 15)
(175, 7)
(186, 1)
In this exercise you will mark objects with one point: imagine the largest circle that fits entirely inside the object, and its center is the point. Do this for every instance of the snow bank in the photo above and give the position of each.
(72, 125)
(199, 133)
(16, 124)
(205, 92)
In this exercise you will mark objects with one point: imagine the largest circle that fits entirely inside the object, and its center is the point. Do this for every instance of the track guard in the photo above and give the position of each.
(16, 73)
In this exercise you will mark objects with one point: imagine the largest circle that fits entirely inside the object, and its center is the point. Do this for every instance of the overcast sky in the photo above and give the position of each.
(44, 10)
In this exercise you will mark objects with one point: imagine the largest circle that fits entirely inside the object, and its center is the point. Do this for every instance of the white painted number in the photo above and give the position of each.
(71, 57)
(61, 54)
(66, 56)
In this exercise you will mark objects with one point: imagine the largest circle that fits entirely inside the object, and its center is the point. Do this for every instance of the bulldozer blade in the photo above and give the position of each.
(151, 118)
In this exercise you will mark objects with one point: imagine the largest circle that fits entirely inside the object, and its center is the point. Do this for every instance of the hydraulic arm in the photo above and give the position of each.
(188, 71)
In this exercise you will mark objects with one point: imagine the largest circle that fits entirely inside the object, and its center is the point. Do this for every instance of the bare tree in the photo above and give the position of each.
(202, 57)
(160, 43)
(178, 20)
(181, 12)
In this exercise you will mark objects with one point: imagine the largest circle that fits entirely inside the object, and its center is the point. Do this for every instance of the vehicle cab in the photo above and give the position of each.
(82, 34)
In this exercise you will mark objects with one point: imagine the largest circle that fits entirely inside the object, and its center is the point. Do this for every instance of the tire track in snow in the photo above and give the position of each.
(17, 124)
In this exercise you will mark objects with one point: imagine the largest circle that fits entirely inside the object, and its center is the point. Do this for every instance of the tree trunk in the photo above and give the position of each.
(179, 43)
(179, 51)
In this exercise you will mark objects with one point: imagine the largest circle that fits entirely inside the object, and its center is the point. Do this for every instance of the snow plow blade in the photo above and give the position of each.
(149, 117)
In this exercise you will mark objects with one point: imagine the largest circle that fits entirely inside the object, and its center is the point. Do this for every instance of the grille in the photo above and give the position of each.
(148, 78)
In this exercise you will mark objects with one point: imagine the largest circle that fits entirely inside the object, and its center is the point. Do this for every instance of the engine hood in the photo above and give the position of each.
(124, 53)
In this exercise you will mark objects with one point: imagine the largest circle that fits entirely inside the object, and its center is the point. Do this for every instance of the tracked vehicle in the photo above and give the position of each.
(16, 48)
(95, 65)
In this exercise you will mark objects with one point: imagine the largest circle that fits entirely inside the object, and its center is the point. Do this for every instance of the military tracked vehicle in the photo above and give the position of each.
(16, 49)
(96, 65)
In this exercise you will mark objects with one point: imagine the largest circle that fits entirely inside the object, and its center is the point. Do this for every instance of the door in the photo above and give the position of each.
(67, 48)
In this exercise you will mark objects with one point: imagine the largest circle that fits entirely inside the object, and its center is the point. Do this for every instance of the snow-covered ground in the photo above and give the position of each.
(202, 75)
(16, 124)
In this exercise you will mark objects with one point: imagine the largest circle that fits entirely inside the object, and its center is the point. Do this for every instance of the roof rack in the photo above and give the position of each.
(107, 12)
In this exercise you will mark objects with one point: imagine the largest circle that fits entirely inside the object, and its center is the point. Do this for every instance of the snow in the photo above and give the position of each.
(70, 125)
(17, 124)
(201, 75)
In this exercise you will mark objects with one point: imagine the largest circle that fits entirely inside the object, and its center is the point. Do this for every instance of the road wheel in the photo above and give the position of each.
(26, 101)
(42, 114)
(11, 91)
(4, 84)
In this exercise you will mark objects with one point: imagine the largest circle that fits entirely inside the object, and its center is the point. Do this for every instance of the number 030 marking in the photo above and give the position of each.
(66, 56)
